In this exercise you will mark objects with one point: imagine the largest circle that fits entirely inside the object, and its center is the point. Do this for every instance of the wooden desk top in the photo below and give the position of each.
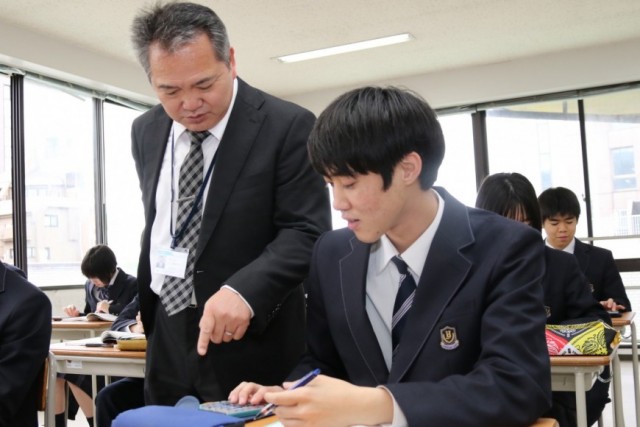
(80, 324)
(542, 422)
(273, 419)
(625, 319)
(62, 349)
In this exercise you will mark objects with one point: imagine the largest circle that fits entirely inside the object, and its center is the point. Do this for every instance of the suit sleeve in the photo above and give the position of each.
(301, 213)
(612, 283)
(127, 316)
(24, 346)
(578, 298)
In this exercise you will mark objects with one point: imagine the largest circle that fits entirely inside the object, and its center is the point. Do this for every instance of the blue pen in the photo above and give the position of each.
(268, 408)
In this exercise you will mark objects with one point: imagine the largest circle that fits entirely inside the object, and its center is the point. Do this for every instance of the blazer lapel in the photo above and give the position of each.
(157, 132)
(445, 270)
(240, 134)
(353, 277)
(581, 252)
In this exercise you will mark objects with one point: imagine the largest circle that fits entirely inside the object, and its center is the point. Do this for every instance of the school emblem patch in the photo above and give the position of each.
(449, 338)
(548, 310)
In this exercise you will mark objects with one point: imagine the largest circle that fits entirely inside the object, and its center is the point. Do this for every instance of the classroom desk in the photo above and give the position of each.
(76, 359)
(542, 422)
(628, 319)
(77, 329)
(578, 373)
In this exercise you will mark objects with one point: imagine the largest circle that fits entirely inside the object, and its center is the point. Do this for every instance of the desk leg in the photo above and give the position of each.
(50, 405)
(634, 361)
(617, 392)
(581, 400)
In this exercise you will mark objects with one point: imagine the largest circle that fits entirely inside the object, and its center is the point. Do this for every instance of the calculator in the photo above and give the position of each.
(232, 409)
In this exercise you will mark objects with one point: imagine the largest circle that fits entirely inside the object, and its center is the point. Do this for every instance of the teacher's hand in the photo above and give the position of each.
(226, 317)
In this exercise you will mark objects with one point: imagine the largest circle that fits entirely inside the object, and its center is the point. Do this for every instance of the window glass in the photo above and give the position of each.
(6, 204)
(59, 179)
(542, 142)
(612, 123)
(123, 199)
(457, 172)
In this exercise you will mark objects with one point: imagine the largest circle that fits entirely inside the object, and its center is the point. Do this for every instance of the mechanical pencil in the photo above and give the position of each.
(268, 408)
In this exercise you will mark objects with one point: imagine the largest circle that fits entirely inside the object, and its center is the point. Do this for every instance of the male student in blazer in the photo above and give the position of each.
(560, 212)
(473, 350)
(263, 208)
(25, 335)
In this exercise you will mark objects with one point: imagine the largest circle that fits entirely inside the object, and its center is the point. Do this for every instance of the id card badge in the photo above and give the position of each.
(171, 262)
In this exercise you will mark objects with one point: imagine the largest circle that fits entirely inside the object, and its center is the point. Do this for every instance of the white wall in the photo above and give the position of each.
(581, 68)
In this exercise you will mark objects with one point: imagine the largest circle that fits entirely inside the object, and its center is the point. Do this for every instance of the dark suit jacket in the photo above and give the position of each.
(25, 334)
(567, 294)
(600, 268)
(481, 281)
(122, 291)
(264, 211)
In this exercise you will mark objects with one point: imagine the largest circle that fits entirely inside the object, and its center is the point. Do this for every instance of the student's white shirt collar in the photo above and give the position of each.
(569, 248)
(416, 255)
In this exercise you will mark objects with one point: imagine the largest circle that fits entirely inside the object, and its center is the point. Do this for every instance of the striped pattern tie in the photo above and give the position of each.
(176, 292)
(404, 299)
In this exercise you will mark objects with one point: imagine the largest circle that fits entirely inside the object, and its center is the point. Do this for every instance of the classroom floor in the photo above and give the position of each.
(627, 390)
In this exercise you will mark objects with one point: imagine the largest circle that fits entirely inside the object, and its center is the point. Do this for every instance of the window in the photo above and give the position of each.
(59, 179)
(624, 168)
(123, 198)
(50, 221)
(542, 142)
(457, 172)
(612, 124)
(6, 203)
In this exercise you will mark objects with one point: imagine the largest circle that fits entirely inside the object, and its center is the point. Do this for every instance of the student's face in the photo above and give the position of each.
(194, 88)
(369, 210)
(560, 230)
(99, 283)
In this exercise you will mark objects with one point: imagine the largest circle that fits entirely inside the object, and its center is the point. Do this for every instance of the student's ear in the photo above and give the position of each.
(411, 166)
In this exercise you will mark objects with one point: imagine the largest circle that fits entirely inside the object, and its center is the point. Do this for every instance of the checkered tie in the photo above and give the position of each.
(176, 292)
(103, 293)
(404, 299)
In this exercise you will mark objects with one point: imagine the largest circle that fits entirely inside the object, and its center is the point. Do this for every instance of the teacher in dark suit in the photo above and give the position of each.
(25, 334)
(232, 211)
(422, 311)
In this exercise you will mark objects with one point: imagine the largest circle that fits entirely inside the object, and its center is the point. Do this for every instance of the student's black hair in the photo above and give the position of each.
(558, 201)
(100, 262)
(510, 194)
(371, 129)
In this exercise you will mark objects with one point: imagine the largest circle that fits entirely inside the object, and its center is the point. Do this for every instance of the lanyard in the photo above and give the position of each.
(175, 236)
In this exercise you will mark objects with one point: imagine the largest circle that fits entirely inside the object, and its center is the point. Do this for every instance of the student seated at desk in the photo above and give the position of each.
(466, 347)
(127, 393)
(108, 289)
(567, 295)
(560, 212)
(25, 335)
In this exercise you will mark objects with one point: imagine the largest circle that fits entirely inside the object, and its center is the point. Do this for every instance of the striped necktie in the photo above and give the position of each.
(176, 292)
(404, 299)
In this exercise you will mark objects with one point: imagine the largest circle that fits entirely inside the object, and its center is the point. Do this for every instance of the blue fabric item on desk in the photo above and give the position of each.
(172, 416)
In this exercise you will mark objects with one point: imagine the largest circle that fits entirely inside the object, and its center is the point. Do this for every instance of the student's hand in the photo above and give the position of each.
(137, 328)
(71, 311)
(330, 402)
(611, 305)
(102, 306)
(251, 393)
(226, 317)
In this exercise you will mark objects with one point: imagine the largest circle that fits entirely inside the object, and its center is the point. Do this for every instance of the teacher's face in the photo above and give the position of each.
(194, 87)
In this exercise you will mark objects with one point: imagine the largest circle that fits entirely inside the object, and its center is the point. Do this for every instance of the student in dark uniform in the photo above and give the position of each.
(567, 295)
(560, 211)
(465, 344)
(25, 335)
(108, 289)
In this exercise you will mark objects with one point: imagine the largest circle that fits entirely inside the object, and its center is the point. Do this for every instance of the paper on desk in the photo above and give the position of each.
(94, 340)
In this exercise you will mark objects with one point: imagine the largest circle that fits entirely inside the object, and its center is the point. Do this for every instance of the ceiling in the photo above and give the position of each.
(449, 34)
